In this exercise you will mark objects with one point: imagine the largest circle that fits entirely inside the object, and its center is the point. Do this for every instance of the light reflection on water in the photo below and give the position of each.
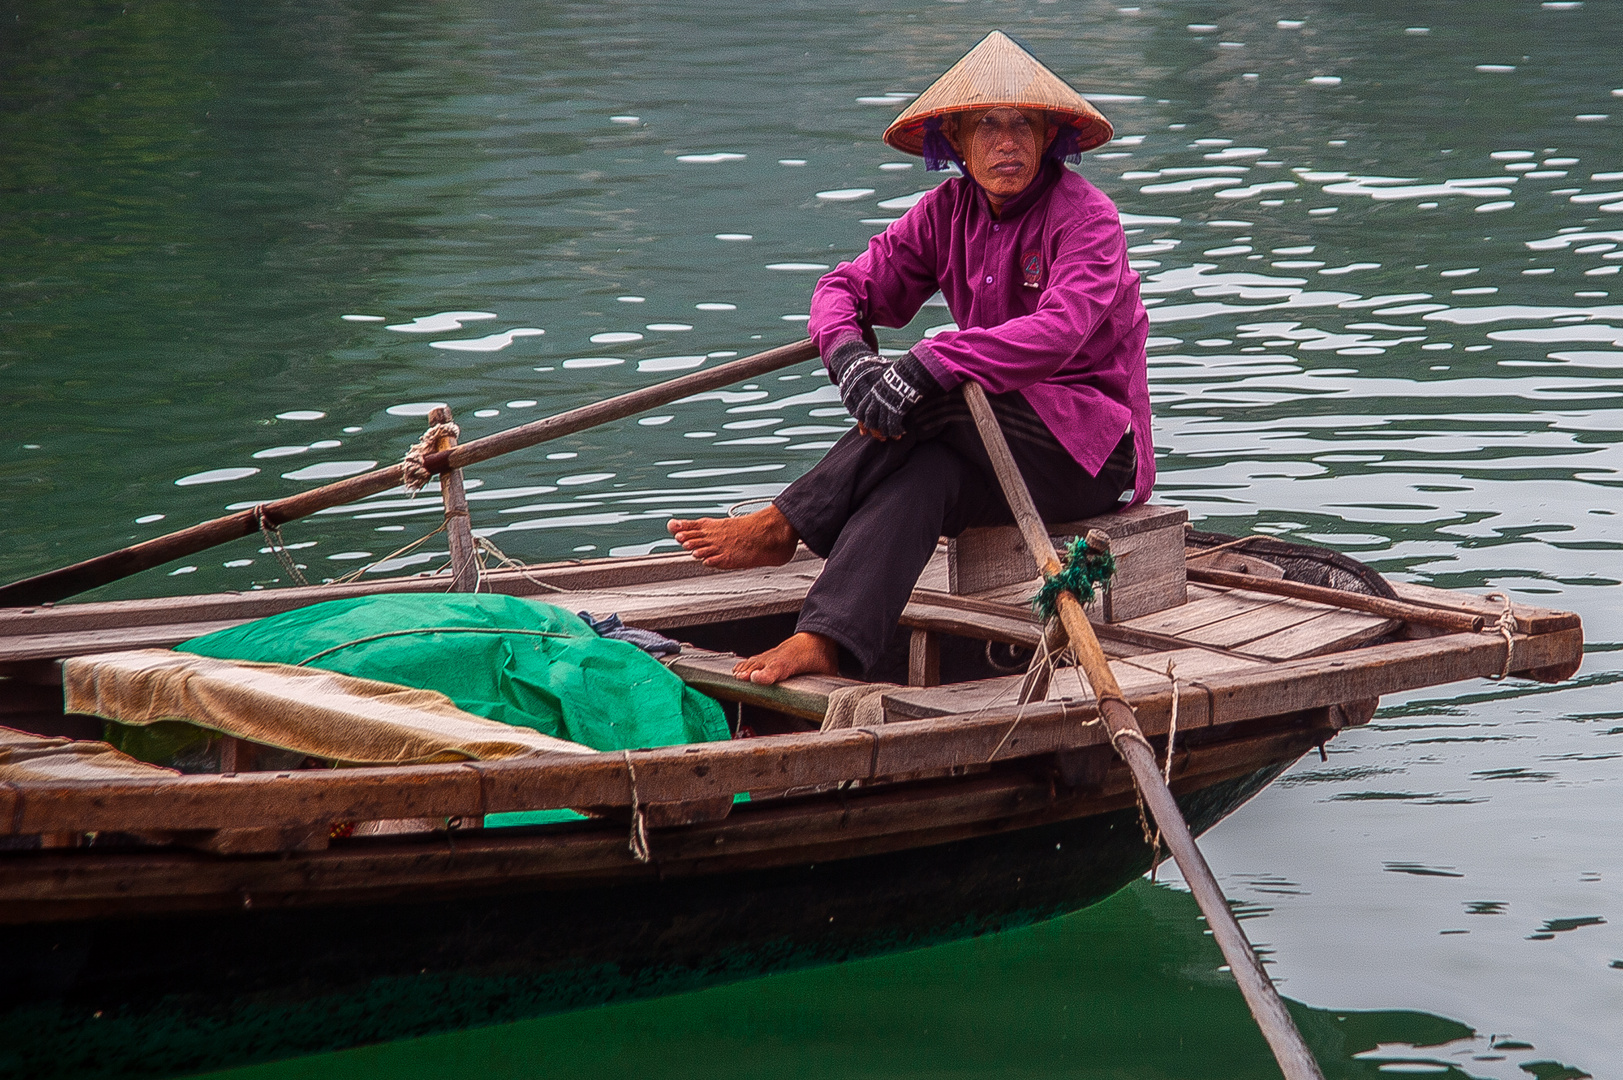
(1380, 248)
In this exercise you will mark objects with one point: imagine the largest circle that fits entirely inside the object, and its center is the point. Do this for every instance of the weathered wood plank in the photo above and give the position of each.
(1012, 628)
(46, 887)
(607, 574)
(1236, 631)
(805, 696)
(1452, 620)
(1182, 621)
(26, 648)
(924, 658)
(1137, 676)
(719, 597)
(1529, 619)
(1146, 540)
(1330, 631)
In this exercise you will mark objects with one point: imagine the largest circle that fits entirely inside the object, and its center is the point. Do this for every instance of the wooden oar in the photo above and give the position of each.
(1276, 1024)
(1450, 619)
(68, 580)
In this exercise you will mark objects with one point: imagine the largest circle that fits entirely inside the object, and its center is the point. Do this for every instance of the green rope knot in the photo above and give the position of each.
(1082, 570)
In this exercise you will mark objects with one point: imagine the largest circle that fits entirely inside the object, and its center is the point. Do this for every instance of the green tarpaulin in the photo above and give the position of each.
(505, 658)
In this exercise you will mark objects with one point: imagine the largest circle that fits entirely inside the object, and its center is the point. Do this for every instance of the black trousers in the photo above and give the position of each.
(875, 510)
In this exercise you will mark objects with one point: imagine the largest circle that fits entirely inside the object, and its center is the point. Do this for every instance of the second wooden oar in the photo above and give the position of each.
(68, 580)
(1450, 619)
(1277, 1027)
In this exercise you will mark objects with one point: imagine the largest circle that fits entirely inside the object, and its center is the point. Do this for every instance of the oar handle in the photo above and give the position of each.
(1125, 735)
(56, 584)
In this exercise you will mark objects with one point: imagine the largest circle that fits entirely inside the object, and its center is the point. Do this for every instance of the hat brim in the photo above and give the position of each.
(906, 133)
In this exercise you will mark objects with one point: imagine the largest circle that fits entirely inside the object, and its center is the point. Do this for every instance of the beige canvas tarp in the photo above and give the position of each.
(320, 713)
(25, 756)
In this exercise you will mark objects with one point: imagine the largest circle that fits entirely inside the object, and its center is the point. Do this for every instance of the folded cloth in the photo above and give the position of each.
(649, 642)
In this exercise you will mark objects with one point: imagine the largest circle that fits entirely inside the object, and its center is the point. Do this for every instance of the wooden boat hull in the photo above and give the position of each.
(180, 923)
(160, 994)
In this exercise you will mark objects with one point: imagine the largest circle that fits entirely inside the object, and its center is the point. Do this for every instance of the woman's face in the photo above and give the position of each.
(1002, 148)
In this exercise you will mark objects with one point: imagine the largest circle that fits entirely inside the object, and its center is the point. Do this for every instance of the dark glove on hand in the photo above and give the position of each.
(855, 368)
(895, 388)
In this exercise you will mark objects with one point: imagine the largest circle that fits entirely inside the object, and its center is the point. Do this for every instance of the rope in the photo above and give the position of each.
(507, 562)
(1506, 626)
(1152, 838)
(413, 473)
(273, 539)
(1215, 548)
(1166, 770)
(355, 574)
(1082, 568)
(1020, 713)
(1042, 665)
(430, 630)
(1172, 724)
(639, 825)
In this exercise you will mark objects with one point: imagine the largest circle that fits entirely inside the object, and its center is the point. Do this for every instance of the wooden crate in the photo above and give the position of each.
(1146, 540)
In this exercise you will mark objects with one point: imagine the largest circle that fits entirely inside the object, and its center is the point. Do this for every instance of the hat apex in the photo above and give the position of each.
(998, 72)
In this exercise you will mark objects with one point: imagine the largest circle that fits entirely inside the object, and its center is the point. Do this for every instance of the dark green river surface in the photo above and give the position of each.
(1381, 246)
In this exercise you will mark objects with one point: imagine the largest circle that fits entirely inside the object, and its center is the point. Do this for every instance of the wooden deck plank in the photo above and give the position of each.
(1250, 623)
(1180, 621)
(1137, 675)
(1330, 631)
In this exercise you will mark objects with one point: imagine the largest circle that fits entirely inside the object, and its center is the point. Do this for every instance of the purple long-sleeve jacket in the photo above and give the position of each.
(1043, 296)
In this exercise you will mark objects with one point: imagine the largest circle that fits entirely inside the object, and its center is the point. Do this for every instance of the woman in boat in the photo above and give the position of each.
(1032, 262)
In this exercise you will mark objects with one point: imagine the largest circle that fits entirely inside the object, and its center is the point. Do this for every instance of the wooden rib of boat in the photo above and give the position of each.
(161, 923)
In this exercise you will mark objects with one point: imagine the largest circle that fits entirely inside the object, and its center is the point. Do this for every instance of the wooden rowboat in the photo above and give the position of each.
(159, 923)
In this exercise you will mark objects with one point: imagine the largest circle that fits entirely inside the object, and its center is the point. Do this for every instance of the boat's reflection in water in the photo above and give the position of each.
(1130, 988)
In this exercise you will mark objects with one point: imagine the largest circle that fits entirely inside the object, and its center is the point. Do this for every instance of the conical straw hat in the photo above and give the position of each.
(994, 73)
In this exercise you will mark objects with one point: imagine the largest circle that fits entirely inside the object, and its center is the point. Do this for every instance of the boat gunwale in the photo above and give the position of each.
(774, 762)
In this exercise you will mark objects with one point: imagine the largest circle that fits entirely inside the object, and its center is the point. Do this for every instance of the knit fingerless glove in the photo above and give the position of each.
(900, 385)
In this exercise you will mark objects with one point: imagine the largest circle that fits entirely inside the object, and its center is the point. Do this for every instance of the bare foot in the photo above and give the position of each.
(764, 538)
(801, 654)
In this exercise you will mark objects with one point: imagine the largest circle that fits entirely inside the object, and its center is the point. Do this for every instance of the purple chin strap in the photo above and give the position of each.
(939, 154)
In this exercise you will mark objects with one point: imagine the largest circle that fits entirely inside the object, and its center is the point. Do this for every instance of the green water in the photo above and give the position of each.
(1387, 317)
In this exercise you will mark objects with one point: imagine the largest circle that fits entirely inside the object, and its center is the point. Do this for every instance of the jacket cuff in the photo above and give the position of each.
(843, 354)
(944, 376)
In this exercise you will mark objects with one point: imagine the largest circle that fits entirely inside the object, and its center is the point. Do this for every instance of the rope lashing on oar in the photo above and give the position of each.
(1166, 770)
(413, 473)
(1083, 571)
(273, 542)
(1505, 627)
